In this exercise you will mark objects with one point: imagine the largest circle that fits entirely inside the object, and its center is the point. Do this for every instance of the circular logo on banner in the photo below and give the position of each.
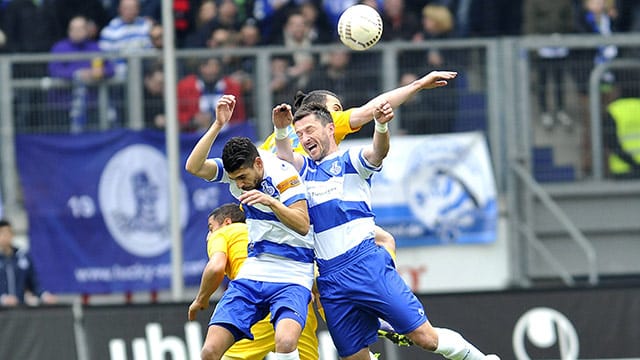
(134, 199)
(544, 328)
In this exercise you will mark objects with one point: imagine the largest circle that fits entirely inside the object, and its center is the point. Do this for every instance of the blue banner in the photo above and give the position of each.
(435, 189)
(98, 207)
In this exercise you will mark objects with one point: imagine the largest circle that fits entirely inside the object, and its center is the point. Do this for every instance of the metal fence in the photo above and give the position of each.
(501, 90)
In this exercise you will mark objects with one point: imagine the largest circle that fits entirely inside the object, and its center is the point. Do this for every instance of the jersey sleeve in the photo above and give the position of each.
(221, 175)
(362, 166)
(342, 124)
(216, 242)
(289, 184)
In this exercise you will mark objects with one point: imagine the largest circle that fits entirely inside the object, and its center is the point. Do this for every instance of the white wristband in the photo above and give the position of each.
(381, 128)
(281, 133)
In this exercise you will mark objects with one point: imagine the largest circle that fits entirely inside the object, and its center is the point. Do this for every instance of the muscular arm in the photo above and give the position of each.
(197, 162)
(380, 146)
(398, 96)
(212, 276)
(281, 117)
(294, 216)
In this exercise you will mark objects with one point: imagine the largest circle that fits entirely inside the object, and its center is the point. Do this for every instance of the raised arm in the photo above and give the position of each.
(380, 145)
(398, 96)
(197, 162)
(282, 118)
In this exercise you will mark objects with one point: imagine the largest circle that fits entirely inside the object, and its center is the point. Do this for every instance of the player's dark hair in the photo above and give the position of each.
(4, 223)
(320, 111)
(230, 210)
(314, 96)
(238, 152)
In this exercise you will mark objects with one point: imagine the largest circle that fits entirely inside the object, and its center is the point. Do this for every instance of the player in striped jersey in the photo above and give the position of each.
(357, 280)
(227, 242)
(278, 274)
(351, 120)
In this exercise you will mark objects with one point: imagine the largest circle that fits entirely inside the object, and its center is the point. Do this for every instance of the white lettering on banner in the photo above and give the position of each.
(135, 272)
(544, 328)
(206, 198)
(156, 347)
(82, 206)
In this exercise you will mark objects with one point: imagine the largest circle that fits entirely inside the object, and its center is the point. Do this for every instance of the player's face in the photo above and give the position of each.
(214, 225)
(332, 103)
(314, 137)
(248, 178)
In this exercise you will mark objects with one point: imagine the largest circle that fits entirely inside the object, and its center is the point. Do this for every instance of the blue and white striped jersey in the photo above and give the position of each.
(276, 252)
(339, 189)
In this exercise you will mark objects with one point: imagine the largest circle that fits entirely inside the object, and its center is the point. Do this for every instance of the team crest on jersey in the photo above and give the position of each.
(335, 168)
(267, 188)
(134, 200)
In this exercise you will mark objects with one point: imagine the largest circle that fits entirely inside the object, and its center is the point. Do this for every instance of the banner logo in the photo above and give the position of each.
(133, 195)
(545, 327)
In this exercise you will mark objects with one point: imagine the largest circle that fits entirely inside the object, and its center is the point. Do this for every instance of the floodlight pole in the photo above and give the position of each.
(171, 134)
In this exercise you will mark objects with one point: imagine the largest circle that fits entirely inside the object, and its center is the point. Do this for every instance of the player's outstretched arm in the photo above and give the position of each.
(380, 146)
(212, 277)
(197, 162)
(282, 118)
(398, 96)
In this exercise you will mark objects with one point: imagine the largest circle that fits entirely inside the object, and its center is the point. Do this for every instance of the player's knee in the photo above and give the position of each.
(425, 336)
(286, 343)
(385, 239)
(210, 353)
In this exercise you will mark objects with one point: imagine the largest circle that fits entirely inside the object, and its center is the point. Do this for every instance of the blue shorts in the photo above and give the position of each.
(245, 302)
(358, 293)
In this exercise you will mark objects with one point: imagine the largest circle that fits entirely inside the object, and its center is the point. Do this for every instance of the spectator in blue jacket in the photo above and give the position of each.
(17, 273)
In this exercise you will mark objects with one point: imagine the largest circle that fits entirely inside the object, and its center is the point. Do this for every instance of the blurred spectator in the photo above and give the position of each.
(17, 272)
(550, 18)
(227, 17)
(281, 85)
(126, 33)
(154, 97)
(29, 26)
(593, 18)
(335, 73)
(156, 35)
(199, 93)
(621, 130)
(75, 104)
(321, 31)
(207, 12)
(398, 24)
(65, 10)
(435, 112)
(296, 36)
(271, 16)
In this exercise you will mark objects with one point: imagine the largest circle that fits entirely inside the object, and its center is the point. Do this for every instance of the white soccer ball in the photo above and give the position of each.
(360, 27)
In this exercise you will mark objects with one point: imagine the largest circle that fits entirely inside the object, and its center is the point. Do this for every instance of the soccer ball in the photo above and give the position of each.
(360, 27)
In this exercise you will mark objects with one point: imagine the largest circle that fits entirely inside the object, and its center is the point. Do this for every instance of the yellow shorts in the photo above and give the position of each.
(263, 341)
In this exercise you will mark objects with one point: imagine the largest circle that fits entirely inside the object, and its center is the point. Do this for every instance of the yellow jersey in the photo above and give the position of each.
(340, 120)
(233, 240)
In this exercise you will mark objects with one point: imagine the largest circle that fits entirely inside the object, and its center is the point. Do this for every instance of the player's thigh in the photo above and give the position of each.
(351, 326)
(256, 349)
(292, 302)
